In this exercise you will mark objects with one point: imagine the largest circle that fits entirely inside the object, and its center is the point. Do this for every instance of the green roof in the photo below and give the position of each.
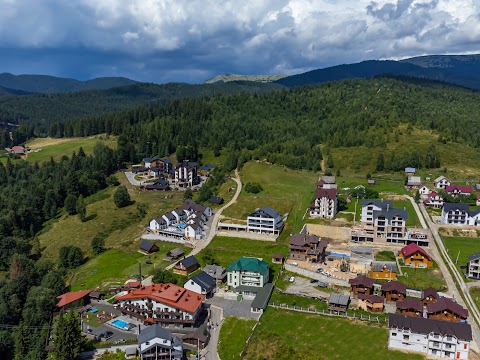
(249, 264)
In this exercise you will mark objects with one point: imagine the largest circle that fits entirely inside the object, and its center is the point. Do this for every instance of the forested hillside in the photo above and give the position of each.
(286, 127)
(42, 110)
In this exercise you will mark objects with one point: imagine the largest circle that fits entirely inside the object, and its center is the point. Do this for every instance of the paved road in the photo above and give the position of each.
(437, 247)
(131, 178)
(216, 316)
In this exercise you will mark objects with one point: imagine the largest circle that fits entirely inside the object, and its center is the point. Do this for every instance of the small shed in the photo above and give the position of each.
(216, 200)
(97, 295)
(196, 339)
(371, 182)
(278, 258)
(146, 247)
(130, 353)
(186, 266)
(174, 254)
(409, 171)
(338, 303)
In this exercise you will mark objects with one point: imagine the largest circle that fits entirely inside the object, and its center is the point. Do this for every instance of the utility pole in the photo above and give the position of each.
(456, 261)
(355, 213)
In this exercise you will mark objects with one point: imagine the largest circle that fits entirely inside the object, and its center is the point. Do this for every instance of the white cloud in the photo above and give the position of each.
(249, 36)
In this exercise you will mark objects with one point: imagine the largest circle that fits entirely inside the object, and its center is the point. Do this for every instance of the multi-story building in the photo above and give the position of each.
(186, 174)
(381, 222)
(266, 221)
(414, 256)
(248, 271)
(432, 337)
(446, 309)
(473, 266)
(166, 304)
(434, 200)
(325, 204)
(441, 182)
(157, 343)
(307, 247)
(460, 214)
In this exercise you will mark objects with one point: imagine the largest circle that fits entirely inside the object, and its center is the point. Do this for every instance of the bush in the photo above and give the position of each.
(161, 276)
(98, 244)
(112, 181)
(70, 204)
(253, 187)
(121, 198)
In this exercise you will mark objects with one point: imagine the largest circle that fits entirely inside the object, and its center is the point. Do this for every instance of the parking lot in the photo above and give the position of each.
(303, 286)
(239, 309)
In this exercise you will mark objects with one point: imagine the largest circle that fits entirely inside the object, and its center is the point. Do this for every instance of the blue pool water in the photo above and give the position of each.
(120, 324)
(181, 226)
(94, 311)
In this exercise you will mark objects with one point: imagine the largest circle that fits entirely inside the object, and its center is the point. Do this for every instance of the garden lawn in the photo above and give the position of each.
(412, 220)
(385, 256)
(233, 336)
(286, 190)
(292, 300)
(475, 294)
(423, 278)
(462, 247)
(285, 335)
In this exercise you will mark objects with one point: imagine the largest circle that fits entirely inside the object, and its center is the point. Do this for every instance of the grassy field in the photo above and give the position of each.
(475, 294)
(288, 191)
(412, 214)
(233, 335)
(462, 247)
(423, 278)
(121, 225)
(385, 256)
(293, 335)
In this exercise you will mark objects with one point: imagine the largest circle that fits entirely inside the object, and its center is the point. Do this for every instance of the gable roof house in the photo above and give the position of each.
(473, 266)
(430, 337)
(146, 247)
(456, 190)
(409, 171)
(414, 256)
(424, 190)
(155, 342)
(278, 258)
(429, 295)
(307, 247)
(383, 270)
(174, 254)
(338, 303)
(202, 283)
(434, 200)
(219, 273)
(414, 182)
(460, 214)
(265, 220)
(394, 290)
(72, 300)
(186, 266)
(361, 285)
(18, 150)
(372, 303)
(410, 307)
(441, 182)
(446, 309)
(478, 200)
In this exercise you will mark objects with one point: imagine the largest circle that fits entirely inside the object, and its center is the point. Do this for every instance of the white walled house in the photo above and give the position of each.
(162, 303)
(186, 174)
(266, 221)
(434, 200)
(158, 224)
(170, 218)
(441, 182)
(473, 266)
(437, 338)
(460, 214)
(155, 342)
(248, 271)
(325, 204)
(424, 190)
(202, 283)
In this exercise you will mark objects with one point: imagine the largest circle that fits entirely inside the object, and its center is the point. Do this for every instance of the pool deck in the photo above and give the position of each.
(126, 320)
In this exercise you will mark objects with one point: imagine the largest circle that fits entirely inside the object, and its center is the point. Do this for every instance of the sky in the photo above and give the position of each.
(191, 40)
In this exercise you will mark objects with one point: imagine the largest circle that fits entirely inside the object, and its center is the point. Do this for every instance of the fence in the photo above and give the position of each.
(242, 354)
(328, 313)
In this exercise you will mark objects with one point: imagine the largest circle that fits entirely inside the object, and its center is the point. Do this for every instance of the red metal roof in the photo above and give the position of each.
(371, 298)
(412, 248)
(168, 294)
(461, 188)
(70, 297)
(361, 280)
(397, 286)
(446, 304)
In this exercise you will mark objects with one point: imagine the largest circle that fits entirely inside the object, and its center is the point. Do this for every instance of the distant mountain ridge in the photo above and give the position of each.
(47, 84)
(8, 92)
(463, 70)
(235, 77)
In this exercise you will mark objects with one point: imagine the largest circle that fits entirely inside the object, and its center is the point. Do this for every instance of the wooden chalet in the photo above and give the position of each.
(429, 296)
(146, 247)
(306, 247)
(372, 303)
(186, 266)
(394, 290)
(410, 307)
(338, 303)
(414, 256)
(361, 285)
(446, 309)
(73, 300)
(383, 270)
(278, 258)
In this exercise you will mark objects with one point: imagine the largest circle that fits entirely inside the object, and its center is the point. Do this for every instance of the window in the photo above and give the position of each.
(394, 334)
(147, 343)
(406, 337)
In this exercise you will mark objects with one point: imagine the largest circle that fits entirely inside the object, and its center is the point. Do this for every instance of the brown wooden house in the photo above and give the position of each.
(372, 303)
(186, 266)
(307, 247)
(410, 307)
(429, 296)
(338, 303)
(414, 256)
(394, 290)
(383, 270)
(146, 247)
(73, 300)
(446, 309)
(278, 258)
(361, 285)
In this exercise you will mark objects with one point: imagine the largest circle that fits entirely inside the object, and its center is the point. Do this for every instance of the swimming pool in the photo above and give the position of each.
(120, 324)
(94, 310)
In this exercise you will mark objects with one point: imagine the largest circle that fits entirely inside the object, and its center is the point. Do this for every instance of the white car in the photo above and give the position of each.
(294, 264)
(292, 279)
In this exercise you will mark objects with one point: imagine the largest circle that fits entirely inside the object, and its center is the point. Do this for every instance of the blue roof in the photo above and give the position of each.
(410, 169)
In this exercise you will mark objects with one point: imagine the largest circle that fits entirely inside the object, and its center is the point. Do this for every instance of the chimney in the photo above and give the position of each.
(388, 207)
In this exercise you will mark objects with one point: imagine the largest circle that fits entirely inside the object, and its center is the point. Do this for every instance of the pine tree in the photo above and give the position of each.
(81, 209)
(70, 204)
(121, 198)
(380, 162)
(68, 337)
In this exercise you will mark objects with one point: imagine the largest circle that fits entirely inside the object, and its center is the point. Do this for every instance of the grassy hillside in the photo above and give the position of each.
(288, 191)
(293, 335)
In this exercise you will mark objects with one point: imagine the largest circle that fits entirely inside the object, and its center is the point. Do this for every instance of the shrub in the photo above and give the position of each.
(253, 187)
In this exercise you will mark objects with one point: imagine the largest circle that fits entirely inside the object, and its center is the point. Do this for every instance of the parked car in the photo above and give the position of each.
(294, 264)
(292, 279)
(322, 284)
(313, 281)
(106, 335)
(319, 270)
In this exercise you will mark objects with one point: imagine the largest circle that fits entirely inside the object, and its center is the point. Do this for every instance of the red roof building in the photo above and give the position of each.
(164, 303)
(415, 256)
(73, 299)
(446, 309)
(458, 190)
